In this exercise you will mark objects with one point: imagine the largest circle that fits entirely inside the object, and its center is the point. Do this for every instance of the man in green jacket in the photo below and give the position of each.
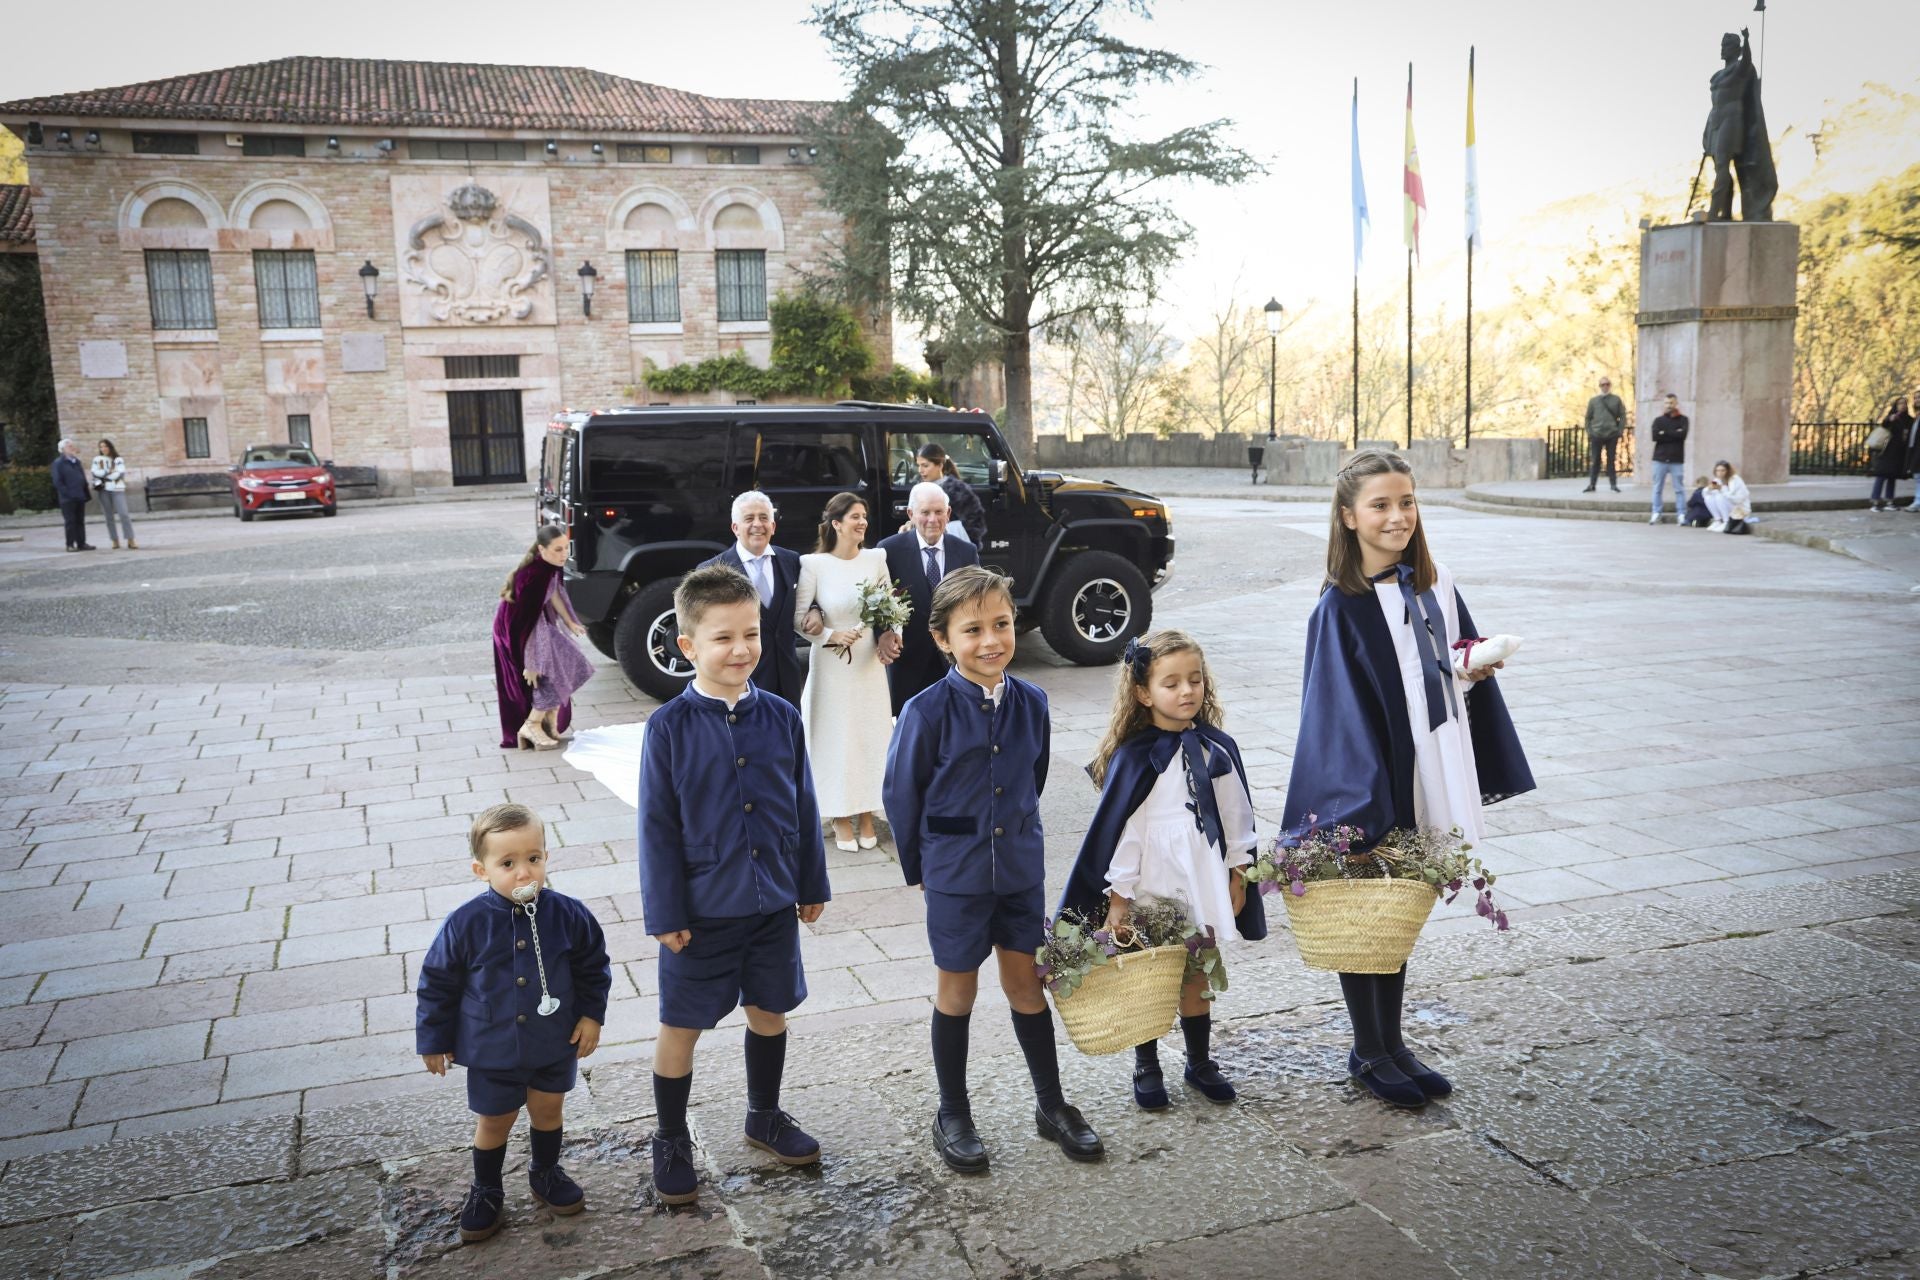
(1606, 419)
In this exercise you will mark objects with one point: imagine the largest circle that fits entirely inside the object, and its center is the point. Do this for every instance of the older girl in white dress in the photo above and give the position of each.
(844, 706)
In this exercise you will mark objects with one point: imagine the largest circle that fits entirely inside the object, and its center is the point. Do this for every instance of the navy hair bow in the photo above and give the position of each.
(1139, 659)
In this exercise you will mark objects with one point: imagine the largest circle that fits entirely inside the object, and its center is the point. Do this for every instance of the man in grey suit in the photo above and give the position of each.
(919, 558)
(774, 573)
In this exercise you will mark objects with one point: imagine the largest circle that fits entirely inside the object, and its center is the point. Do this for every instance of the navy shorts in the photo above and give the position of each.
(732, 960)
(496, 1092)
(964, 928)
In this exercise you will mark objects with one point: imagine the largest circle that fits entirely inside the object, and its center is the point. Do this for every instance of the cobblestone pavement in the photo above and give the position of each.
(226, 844)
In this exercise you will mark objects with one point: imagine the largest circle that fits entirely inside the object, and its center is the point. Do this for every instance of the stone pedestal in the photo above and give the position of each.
(1716, 329)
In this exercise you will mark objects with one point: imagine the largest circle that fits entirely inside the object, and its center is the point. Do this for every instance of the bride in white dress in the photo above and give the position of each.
(844, 706)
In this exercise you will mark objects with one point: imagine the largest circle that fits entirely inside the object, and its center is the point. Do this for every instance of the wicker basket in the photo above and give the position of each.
(1358, 926)
(1131, 999)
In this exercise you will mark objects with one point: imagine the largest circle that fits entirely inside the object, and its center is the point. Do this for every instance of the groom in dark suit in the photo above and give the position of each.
(774, 573)
(920, 557)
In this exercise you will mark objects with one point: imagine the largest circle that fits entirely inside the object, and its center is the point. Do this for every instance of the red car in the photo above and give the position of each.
(282, 477)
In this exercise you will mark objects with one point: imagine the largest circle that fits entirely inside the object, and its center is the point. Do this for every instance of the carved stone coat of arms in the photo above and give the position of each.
(475, 261)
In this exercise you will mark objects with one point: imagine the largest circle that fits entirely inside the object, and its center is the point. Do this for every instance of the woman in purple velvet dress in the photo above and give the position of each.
(536, 664)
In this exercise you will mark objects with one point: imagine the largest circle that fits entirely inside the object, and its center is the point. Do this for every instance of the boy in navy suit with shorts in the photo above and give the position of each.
(731, 864)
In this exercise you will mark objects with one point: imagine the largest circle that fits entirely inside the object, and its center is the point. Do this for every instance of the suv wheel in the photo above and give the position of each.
(1096, 602)
(645, 643)
(601, 636)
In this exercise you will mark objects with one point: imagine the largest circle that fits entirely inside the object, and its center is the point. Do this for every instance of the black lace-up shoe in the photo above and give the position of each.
(776, 1133)
(482, 1214)
(674, 1178)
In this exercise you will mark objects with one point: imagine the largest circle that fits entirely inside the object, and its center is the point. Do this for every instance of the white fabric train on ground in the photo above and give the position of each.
(611, 754)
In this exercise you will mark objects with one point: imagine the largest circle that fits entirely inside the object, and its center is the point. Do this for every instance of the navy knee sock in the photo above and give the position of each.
(766, 1062)
(545, 1145)
(1198, 1031)
(1147, 1056)
(1392, 989)
(1035, 1033)
(950, 1061)
(487, 1164)
(1363, 1000)
(670, 1095)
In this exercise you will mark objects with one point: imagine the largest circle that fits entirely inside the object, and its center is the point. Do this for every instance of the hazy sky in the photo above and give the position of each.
(1571, 97)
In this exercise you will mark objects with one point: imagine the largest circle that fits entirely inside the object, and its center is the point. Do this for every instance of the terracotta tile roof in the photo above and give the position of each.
(348, 92)
(16, 215)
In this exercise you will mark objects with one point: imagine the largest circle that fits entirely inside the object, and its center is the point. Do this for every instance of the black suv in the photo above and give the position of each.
(647, 495)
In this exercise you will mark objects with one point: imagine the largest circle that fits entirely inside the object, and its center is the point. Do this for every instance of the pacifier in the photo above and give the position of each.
(524, 896)
(526, 892)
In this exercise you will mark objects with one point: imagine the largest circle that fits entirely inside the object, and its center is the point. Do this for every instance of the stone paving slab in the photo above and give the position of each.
(1617, 1144)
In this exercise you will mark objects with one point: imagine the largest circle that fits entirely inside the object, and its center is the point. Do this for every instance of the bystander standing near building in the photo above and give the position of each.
(73, 490)
(110, 482)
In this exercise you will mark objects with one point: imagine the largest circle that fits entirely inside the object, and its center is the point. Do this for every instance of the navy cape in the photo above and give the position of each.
(1131, 773)
(1353, 759)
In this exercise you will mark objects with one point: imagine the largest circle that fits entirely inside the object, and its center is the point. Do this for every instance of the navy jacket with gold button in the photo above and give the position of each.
(479, 989)
(728, 821)
(963, 786)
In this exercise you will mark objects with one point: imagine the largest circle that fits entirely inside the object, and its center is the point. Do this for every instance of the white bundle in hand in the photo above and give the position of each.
(1477, 655)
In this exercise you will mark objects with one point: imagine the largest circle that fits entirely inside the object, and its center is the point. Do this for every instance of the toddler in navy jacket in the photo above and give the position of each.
(731, 864)
(514, 989)
(962, 792)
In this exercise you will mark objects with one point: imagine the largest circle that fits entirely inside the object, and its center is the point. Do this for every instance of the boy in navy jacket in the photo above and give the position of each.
(514, 989)
(731, 864)
(962, 792)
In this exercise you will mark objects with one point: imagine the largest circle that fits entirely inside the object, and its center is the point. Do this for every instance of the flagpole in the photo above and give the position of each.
(1410, 284)
(1474, 197)
(1359, 221)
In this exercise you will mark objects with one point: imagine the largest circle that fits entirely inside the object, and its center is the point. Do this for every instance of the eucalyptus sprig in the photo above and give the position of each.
(1443, 859)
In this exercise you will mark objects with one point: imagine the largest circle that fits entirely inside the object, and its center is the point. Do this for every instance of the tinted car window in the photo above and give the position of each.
(267, 459)
(971, 456)
(808, 459)
(652, 460)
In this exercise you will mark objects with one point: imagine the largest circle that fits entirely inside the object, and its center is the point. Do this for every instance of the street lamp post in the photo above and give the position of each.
(1274, 314)
(369, 284)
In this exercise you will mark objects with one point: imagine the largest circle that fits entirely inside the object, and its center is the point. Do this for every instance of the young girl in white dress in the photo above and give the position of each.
(844, 705)
(1174, 822)
(1402, 726)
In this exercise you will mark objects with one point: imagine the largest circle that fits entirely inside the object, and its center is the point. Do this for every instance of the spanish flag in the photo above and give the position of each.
(1416, 195)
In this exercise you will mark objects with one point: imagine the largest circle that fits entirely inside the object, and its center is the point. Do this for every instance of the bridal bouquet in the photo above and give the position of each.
(882, 608)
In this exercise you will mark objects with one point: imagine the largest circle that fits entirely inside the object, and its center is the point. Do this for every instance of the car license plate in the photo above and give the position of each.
(290, 497)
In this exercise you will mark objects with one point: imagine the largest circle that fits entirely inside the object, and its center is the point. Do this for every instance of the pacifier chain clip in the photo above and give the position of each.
(548, 1004)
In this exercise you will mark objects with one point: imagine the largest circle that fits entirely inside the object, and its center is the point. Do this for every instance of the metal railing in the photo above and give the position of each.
(1567, 453)
(1830, 448)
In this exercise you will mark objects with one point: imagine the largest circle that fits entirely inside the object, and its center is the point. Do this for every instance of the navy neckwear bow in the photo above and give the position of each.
(1200, 772)
(1430, 638)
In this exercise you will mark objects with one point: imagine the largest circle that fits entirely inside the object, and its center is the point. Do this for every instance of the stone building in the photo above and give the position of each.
(407, 265)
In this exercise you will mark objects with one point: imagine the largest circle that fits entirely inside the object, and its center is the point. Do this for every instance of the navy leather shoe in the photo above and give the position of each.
(1385, 1081)
(1150, 1089)
(1207, 1079)
(553, 1188)
(1066, 1127)
(958, 1144)
(674, 1178)
(1425, 1078)
(482, 1214)
(775, 1133)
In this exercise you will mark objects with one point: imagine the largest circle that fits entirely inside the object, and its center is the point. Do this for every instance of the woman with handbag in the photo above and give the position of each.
(1887, 459)
(1393, 736)
(110, 482)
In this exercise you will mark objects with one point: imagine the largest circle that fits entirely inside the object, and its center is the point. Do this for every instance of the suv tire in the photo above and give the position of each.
(644, 643)
(1095, 603)
(600, 634)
